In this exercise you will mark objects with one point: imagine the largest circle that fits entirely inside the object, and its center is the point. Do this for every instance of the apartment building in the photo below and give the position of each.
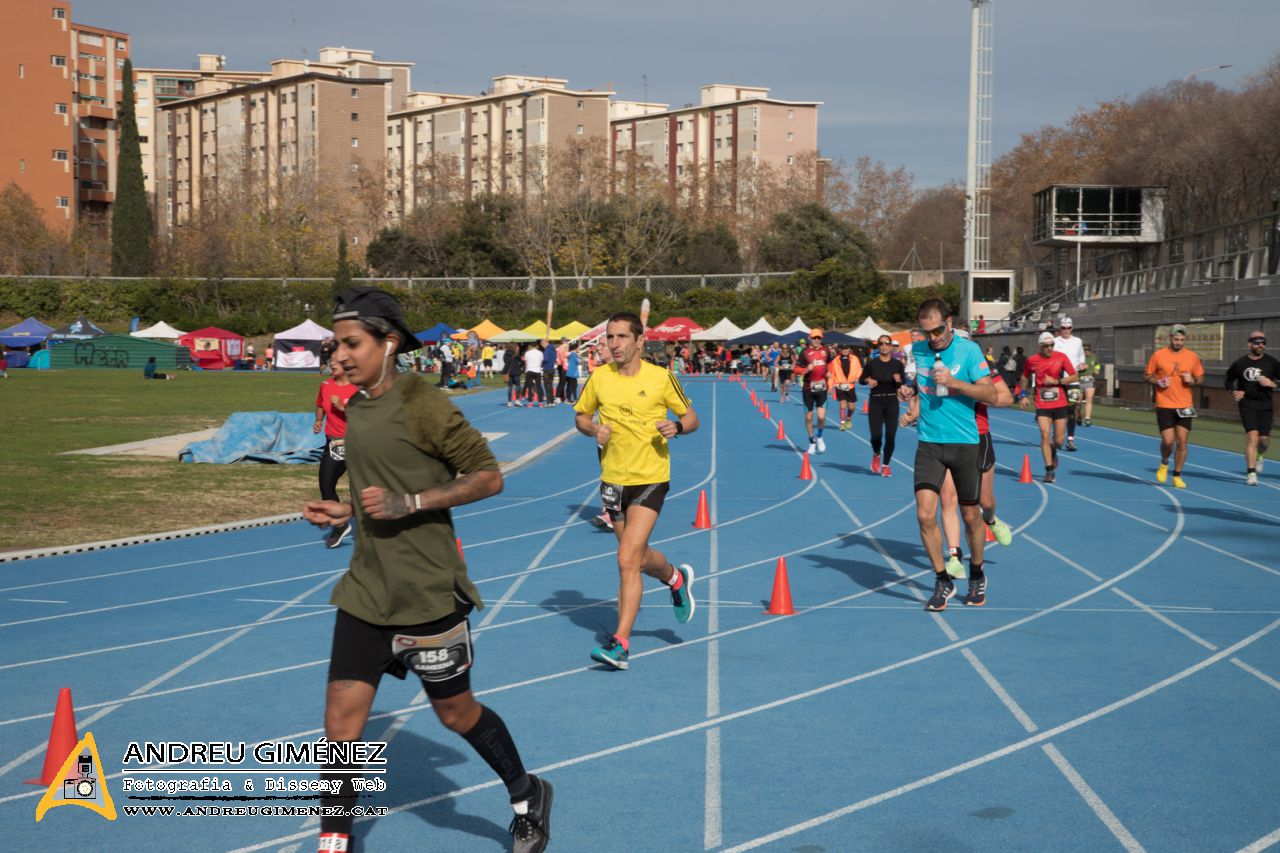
(498, 142)
(709, 141)
(63, 95)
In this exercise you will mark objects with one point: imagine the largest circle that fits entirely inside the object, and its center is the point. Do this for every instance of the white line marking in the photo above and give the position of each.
(38, 600)
(1262, 843)
(1017, 746)
(1261, 676)
(1108, 817)
(713, 818)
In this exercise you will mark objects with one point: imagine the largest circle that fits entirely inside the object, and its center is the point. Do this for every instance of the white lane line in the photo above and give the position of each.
(713, 818)
(1263, 843)
(166, 599)
(153, 683)
(497, 606)
(283, 601)
(1010, 749)
(1261, 676)
(38, 600)
(1017, 746)
(1225, 553)
(525, 501)
(1108, 817)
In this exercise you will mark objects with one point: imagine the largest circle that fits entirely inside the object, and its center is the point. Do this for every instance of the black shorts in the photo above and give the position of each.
(488, 362)
(986, 453)
(849, 395)
(363, 652)
(784, 374)
(1256, 420)
(814, 399)
(617, 498)
(1058, 414)
(1168, 419)
(933, 461)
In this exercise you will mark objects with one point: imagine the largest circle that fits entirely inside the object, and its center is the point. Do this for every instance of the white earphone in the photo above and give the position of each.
(390, 344)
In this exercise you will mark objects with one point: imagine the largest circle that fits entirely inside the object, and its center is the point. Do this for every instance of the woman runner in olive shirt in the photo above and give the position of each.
(403, 603)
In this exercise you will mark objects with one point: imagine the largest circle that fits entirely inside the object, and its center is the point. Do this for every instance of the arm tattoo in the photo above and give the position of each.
(396, 505)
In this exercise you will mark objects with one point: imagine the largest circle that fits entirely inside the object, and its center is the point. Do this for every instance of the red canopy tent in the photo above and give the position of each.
(672, 329)
(213, 348)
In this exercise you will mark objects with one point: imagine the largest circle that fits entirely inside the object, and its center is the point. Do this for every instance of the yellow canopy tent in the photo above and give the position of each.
(570, 330)
(484, 331)
(538, 329)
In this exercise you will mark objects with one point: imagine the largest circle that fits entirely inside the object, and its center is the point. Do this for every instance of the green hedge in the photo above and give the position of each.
(262, 307)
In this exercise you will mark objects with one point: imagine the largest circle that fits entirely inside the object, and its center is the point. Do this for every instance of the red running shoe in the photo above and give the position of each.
(875, 464)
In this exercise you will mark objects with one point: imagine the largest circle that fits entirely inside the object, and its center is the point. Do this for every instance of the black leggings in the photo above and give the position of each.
(331, 470)
(882, 413)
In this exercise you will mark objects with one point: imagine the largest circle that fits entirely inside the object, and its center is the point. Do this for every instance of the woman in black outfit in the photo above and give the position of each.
(883, 375)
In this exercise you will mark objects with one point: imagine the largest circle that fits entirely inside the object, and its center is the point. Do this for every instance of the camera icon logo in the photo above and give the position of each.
(85, 787)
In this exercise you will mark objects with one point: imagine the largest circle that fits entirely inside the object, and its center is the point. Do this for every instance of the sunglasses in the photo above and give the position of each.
(1257, 340)
(935, 333)
(884, 343)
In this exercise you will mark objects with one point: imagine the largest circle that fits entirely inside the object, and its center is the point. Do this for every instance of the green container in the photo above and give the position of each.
(118, 352)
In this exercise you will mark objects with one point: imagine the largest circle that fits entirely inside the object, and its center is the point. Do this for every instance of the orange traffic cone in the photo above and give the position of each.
(866, 406)
(780, 600)
(991, 537)
(782, 436)
(62, 739)
(754, 401)
(766, 410)
(460, 554)
(1025, 476)
(702, 520)
(806, 473)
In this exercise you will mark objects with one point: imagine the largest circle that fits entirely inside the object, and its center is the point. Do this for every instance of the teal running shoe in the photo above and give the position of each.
(954, 567)
(1001, 531)
(611, 653)
(682, 598)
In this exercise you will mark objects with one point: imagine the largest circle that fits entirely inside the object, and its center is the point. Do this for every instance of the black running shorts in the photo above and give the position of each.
(784, 374)
(814, 399)
(1058, 414)
(1256, 420)
(986, 453)
(363, 652)
(933, 461)
(1168, 419)
(847, 395)
(617, 498)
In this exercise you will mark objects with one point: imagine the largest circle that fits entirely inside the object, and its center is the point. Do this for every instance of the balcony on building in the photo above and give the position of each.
(1099, 216)
(95, 193)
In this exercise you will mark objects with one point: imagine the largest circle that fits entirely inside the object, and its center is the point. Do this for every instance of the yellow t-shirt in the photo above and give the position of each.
(636, 454)
(1167, 364)
(486, 354)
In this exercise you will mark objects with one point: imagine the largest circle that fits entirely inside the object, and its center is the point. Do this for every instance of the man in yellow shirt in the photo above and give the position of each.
(486, 359)
(631, 398)
(1174, 370)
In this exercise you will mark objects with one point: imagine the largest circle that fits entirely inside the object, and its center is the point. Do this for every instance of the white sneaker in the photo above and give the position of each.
(822, 445)
(812, 449)
(1251, 479)
(1257, 464)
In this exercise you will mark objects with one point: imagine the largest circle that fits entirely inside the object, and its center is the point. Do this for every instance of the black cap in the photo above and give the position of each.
(380, 310)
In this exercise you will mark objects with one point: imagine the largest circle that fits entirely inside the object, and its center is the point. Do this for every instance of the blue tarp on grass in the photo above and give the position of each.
(284, 437)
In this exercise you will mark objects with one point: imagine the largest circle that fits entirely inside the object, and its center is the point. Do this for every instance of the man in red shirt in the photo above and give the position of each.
(812, 365)
(1049, 372)
(331, 416)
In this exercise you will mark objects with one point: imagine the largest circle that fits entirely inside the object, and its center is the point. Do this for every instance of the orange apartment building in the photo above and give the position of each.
(65, 86)
(499, 142)
(731, 125)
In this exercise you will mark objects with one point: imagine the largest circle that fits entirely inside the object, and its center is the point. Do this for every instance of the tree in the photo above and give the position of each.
(27, 247)
(130, 218)
(342, 275)
(805, 236)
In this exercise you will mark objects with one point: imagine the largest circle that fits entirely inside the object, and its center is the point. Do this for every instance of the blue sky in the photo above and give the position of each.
(893, 75)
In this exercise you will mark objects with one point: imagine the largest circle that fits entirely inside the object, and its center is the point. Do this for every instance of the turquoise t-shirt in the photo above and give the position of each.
(948, 419)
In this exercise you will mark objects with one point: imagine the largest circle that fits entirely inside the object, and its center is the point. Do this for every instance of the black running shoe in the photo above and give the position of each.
(1071, 445)
(336, 534)
(1048, 476)
(977, 594)
(531, 831)
(943, 589)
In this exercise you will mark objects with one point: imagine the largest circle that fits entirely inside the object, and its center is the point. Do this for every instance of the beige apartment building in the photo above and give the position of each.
(710, 141)
(63, 95)
(497, 142)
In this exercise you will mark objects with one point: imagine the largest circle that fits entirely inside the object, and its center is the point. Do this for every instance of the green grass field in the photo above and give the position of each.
(51, 499)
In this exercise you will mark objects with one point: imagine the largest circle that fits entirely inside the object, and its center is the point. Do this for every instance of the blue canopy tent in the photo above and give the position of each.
(80, 330)
(841, 339)
(757, 339)
(29, 333)
(438, 332)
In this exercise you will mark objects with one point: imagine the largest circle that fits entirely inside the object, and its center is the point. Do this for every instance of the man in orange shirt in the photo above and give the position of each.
(1174, 370)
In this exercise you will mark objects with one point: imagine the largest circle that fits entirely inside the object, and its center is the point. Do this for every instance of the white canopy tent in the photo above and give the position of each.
(159, 330)
(299, 348)
(869, 330)
(797, 325)
(722, 331)
(761, 325)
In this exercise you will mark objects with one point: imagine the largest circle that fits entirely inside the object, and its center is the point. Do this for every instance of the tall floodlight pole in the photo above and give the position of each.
(977, 211)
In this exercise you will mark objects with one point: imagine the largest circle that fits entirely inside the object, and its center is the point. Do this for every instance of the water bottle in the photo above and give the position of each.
(939, 390)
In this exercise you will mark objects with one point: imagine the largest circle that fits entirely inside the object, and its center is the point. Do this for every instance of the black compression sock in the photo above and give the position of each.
(492, 742)
(975, 569)
(988, 514)
(345, 798)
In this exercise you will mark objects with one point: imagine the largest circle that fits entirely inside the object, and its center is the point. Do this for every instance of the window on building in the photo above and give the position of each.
(355, 116)
(390, 130)
(143, 121)
(59, 13)
(141, 83)
(60, 154)
(143, 140)
(22, 167)
(791, 114)
(58, 61)
(791, 137)
(581, 130)
(679, 125)
(121, 44)
(580, 104)
(355, 142)
(791, 161)
(355, 91)
(63, 201)
(355, 167)
(21, 73)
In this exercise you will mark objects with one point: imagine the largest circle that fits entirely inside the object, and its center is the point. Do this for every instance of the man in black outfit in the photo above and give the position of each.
(1251, 379)
(883, 375)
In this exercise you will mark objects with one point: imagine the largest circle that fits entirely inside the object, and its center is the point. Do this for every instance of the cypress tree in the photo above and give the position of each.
(342, 276)
(130, 219)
